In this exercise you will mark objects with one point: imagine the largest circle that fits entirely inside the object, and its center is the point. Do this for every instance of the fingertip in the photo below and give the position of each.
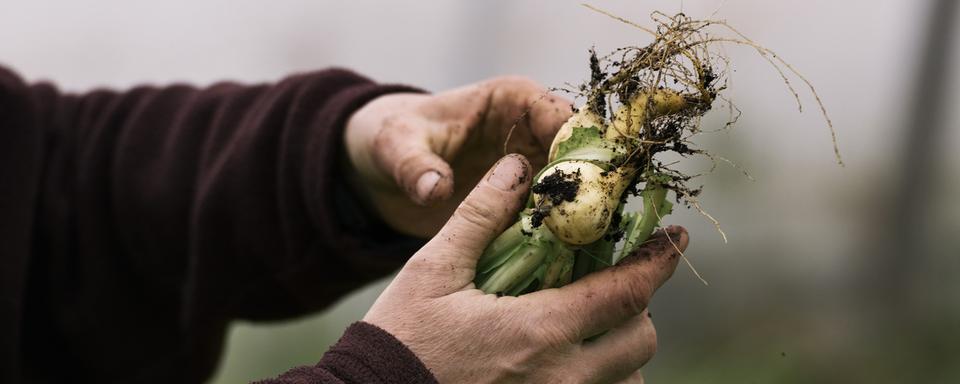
(661, 252)
(511, 173)
(668, 241)
(677, 234)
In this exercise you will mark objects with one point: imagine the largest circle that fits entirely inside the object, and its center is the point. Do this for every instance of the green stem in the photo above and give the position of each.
(655, 207)
(557, 273)
(500, 249)
(654, 197)
(516, 269)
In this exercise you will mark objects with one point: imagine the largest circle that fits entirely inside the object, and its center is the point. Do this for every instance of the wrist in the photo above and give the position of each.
(367, 353)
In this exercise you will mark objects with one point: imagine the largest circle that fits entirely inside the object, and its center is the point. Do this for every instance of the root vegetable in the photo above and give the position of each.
(647, 101)
(585, 218)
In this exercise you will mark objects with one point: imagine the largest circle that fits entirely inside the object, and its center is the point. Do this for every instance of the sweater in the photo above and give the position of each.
(136, 225)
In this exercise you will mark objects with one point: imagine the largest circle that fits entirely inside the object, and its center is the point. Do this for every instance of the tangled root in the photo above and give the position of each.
(686, 57)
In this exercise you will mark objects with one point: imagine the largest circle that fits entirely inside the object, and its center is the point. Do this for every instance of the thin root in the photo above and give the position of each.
(675, 247)
(526, 112)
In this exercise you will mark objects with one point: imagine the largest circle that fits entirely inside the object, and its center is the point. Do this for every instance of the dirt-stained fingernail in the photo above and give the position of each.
(427, 183)
(666, 235)
(675, 232)
(510, 172)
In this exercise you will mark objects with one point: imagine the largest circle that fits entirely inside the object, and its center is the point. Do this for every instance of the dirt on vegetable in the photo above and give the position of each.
(556, 188)
(683, 59)
(639, 102)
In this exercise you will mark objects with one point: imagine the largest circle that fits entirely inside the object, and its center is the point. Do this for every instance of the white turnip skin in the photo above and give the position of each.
(586, 218)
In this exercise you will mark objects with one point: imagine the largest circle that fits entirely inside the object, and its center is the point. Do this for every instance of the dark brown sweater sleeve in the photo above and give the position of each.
(365, 354)
(163, 213)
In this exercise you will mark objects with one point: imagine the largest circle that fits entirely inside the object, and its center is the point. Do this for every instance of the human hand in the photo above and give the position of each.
(416, 156)
(464, 335)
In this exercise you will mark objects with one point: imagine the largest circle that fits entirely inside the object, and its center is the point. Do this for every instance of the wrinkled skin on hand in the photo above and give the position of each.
(417, 156)
(465, 336)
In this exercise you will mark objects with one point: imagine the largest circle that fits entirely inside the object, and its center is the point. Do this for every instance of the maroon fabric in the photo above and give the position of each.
(134, 226)
(365, 354)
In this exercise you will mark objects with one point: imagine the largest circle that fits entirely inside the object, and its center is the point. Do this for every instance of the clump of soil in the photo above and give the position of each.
(556, 188)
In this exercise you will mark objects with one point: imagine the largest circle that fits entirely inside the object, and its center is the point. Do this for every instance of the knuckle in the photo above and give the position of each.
(418, 265)
(645, 344)
(636, 292)
(518, 90)
(547, 325)
(648, 346)
(547, 335)
(476, 213)
(515, 81)
(651, 345)
(390, 131)
(383, 141)
(388, 145)
(644, 352)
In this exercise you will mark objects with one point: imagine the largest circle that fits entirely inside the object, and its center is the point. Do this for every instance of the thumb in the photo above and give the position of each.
(407, 157)
(481, 217)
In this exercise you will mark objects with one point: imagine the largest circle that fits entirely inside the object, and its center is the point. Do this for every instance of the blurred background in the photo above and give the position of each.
(831, 274)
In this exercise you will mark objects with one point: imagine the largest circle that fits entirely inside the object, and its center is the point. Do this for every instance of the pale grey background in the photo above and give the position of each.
(787, 294)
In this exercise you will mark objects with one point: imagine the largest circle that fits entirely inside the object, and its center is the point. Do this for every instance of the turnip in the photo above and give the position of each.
(640, 102)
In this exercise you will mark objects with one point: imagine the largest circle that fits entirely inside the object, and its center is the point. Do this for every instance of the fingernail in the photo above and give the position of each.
(673, 234)
(674, 231)
(427, 183)
(509, 172)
